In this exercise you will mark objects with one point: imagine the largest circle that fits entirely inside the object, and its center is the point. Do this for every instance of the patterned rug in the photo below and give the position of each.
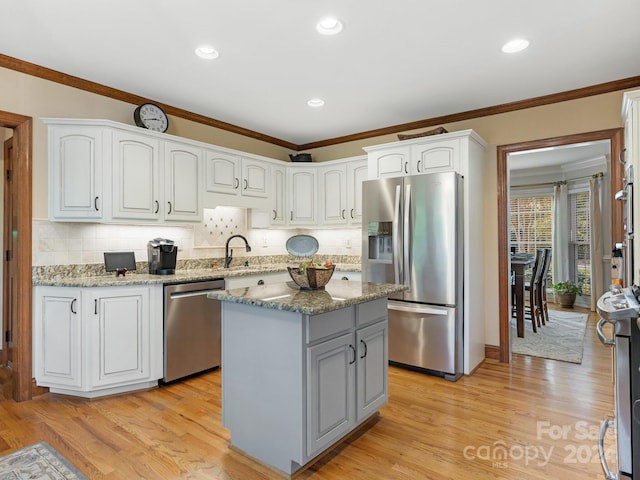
(562, 338)
(37, 462)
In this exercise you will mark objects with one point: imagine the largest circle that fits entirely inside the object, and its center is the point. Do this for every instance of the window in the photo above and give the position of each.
(530, 222)
(580, 240)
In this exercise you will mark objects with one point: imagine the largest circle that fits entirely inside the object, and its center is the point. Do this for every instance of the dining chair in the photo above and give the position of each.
(532, 311)
(541, 287)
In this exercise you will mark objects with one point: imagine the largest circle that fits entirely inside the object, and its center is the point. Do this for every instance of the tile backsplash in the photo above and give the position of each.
(56, 243)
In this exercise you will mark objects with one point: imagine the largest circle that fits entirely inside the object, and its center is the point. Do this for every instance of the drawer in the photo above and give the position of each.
(371, 312)
(330, 324)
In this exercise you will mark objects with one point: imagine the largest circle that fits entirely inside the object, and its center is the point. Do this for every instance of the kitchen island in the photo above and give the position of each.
(301, 368)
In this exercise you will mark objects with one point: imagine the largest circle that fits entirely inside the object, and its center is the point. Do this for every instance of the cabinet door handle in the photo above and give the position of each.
(95, 306)
(245, 184)
(352, 213)
(365, 348)
(292, 215)
(237, 183)
(418, 166)
(275, 214)
(95, 204)
(73, 304)
(157, 206)
(344, 278)
(406, 166)
(343, 214)
(353, 349)
(260, 282)
(169, 208)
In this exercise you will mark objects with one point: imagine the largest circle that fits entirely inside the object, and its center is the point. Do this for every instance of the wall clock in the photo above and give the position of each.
(152, 117)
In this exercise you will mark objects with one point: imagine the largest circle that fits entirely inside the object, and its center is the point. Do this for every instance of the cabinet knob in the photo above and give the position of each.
(260, 282)
(344, 278)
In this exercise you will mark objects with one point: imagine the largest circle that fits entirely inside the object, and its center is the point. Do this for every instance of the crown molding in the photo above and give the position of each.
(86, 85)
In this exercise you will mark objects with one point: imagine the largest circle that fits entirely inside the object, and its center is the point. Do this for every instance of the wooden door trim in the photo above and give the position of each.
(615, 136)
(23, 160)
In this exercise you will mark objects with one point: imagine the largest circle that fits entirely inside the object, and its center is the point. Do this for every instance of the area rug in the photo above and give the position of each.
(562, 338)
(37, 462)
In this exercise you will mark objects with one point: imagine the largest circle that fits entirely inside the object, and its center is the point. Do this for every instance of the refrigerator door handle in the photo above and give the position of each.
(396, 233)
(404, 307)
(407, 235)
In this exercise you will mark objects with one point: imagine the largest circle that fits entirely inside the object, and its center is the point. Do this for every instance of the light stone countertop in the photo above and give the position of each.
(181, 276)
(288, 296)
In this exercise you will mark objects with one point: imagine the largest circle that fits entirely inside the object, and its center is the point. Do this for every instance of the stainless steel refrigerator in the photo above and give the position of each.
(412, 234)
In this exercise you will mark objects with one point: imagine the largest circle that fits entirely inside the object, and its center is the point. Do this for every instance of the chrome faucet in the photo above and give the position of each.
(228, 257)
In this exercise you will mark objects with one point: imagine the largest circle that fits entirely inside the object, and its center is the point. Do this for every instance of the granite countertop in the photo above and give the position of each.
(288, 296)
(181, 276)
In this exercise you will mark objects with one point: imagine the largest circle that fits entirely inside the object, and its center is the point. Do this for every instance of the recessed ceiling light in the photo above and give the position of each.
(207, 52)
(329, 26)
(315, 102)
(515, 45)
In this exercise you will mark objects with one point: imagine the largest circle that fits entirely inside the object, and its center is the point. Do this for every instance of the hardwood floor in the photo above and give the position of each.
(542, 415)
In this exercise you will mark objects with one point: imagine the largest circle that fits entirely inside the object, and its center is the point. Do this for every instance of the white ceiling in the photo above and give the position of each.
(395, 62)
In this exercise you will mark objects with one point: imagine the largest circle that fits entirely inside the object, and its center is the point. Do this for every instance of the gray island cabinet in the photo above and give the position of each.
(301, 368)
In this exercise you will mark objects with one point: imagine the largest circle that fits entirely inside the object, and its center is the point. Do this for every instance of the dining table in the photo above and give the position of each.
(519, 263)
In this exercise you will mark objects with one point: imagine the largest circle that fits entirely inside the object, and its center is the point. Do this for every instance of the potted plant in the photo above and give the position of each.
(565, 293)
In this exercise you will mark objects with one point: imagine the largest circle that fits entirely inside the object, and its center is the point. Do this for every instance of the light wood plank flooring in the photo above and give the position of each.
(542, 415)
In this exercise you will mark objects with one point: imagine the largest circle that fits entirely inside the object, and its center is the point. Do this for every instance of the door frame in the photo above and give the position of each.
(23, 160)
(615, 136)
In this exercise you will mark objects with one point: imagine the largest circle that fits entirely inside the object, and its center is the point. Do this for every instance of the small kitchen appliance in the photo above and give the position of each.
(162, 254)
(620, 307)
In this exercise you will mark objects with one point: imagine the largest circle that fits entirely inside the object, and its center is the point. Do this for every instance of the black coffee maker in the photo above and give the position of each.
(162, 254)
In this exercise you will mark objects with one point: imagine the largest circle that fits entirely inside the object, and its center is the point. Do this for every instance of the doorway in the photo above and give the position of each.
(21, 295)
(615, 138)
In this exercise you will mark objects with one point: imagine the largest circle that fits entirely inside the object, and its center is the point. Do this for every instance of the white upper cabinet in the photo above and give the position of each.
(333, 194)
(303, 196)
(392, 162)
(136, 177)
(278, 196)
(340, 191)
(234, 180)
(222, 173)
(182, 192)
(357, 171)
(436, 156)
(75, 172)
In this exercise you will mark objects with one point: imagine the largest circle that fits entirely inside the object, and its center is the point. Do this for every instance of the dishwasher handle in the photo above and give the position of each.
(192, 293)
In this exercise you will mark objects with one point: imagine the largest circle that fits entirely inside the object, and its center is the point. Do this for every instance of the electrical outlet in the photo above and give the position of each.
(264, 242)
(347, 244)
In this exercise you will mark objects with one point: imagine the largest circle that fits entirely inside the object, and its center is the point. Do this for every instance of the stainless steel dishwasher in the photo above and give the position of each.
(192, 339)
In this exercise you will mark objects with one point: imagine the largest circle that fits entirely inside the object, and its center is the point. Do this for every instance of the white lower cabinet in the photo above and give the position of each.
(91, 342)
(293, 384)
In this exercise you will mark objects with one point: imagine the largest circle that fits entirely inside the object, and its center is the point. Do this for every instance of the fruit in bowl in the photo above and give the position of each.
(311, 275)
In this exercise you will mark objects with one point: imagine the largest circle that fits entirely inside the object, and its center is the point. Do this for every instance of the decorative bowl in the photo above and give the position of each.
(312, 278)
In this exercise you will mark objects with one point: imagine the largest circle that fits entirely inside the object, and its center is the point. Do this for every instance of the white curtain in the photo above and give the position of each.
(560, 234)
(595, 212)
